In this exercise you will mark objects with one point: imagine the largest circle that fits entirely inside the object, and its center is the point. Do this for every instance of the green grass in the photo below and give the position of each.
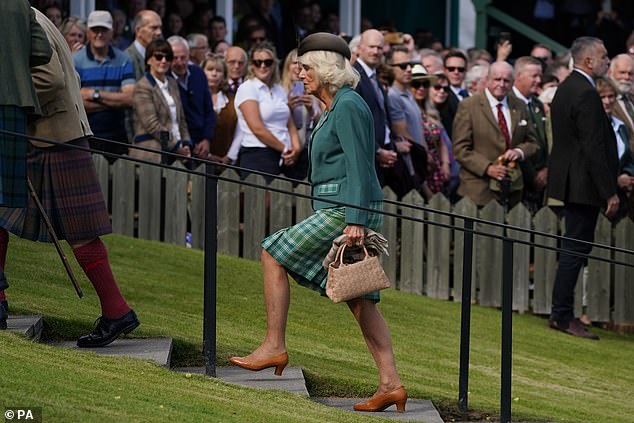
(555, 377)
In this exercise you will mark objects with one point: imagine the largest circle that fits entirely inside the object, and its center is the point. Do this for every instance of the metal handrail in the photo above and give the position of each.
(210, 265)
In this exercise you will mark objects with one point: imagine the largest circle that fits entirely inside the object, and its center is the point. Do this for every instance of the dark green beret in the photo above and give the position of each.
(324, 41)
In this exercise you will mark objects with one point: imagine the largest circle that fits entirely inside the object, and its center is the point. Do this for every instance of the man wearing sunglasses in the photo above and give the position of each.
(400, 96)
(455, 67)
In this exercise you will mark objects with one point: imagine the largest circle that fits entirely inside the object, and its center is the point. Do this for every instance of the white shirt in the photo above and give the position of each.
(221, 101)
(139, 48)
(620, 142)
(273, 107)
(493, 103)
(456, 91)
(176, 135)
(519, 95)
(371, 73)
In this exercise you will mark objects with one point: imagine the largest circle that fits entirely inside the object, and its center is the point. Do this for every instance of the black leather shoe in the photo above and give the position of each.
(4, 314)
(108, 330)
(574, 328)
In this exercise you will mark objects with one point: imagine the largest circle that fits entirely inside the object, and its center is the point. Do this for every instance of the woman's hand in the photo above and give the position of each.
(184, 151)
(356, 234)
(294, 101)
(290, 157)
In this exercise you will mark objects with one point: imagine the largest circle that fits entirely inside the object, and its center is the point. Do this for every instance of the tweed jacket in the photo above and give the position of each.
(478, 142)
(23, 45)
(342, 156)
(584, 160)
(138, 61)
(58, 89)
(152, 116)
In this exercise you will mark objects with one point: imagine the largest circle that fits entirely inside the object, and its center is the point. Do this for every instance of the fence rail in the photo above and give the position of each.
(164, 204)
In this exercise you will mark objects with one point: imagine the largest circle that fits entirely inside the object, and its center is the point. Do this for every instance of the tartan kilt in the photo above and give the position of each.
(301, 248)
(13, 157)
(66, 181)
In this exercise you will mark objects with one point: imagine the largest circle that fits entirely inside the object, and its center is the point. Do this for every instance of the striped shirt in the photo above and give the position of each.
(109, 74)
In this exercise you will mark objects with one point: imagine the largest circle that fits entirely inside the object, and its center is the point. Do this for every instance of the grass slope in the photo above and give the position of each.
(555, 377)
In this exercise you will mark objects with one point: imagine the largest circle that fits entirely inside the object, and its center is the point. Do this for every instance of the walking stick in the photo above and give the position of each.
(53, 235)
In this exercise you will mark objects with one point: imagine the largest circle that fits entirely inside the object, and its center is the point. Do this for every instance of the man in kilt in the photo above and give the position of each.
(65, 180)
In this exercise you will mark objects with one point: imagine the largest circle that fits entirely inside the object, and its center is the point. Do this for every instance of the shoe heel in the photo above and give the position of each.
(400, 406)
(279, 369)
(131, 327)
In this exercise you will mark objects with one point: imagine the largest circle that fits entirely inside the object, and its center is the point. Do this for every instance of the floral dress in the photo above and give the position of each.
(436, 179)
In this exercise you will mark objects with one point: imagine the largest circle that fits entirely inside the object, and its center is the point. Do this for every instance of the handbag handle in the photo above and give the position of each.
(339, 255)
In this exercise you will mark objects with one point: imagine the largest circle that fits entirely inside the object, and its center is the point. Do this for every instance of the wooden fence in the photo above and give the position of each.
(160, 204)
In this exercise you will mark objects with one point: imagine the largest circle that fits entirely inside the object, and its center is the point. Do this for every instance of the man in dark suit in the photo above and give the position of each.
(528, 75)
(621, 72)
(369, 53)
(582, 171)
(455, 68)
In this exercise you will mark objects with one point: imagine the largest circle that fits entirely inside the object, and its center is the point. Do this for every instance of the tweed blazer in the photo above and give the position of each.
(478, 142)
(23, 45)
(138, 61)
(152, 116)
(58, 89)
(342, 156)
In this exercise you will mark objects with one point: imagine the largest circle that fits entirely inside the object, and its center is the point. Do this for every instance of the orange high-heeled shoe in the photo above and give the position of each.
(278, 361)
(396, 396)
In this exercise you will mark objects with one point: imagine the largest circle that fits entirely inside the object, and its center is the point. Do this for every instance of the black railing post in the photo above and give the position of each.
(507, 330)
(465, 324)
(211, 238)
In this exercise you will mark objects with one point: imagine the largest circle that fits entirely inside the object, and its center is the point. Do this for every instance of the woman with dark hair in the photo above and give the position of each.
(270, 142)
(159, 120)
(342, 169)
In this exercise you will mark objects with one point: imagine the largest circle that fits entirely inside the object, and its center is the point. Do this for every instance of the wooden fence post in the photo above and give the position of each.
(303, 206)
(624, 276)
(488, 257)
(438, 242)
(281, 206)
(520, 216)
(229, 214)
(254, 218)
(149, 202)
(175, 205)
(412, 248)
(197, 208)
(545, 220)
(390, 263)
(123, 183)
(598, 284)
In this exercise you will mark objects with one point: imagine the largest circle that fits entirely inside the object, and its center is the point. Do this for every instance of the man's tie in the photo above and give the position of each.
(463, 93)
(378, 91)
(234, 86)
(628, 106)
(503, 127)
(624, 135)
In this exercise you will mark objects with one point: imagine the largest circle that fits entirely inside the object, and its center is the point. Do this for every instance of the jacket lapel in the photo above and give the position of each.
(486, 109)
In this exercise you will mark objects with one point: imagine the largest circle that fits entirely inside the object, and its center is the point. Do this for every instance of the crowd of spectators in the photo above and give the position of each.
(199, 95)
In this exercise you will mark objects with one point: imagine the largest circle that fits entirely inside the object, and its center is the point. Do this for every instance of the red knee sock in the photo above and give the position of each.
(93, 259)
(4, 244)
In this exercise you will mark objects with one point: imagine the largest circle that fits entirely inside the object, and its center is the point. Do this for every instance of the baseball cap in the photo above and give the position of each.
(99, 18)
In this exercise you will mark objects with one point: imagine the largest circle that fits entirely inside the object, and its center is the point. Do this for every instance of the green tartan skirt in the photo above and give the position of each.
(301, 248)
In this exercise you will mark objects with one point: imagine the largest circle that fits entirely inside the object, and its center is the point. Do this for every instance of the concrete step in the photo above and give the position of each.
(292, 379)
(416, 410)
(155, 349)
(29, 326)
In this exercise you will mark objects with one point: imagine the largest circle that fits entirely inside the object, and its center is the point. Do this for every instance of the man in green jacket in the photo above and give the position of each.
(24, 45)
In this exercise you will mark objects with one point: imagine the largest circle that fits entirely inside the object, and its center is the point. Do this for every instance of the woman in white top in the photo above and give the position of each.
(159, 120)
(270, 142)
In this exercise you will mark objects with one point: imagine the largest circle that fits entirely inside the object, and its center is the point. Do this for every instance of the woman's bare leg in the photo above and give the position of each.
(276, 299)
(379, 342)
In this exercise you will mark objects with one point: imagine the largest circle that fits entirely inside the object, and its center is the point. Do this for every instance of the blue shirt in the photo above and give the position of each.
(109, 74)
(197, 104)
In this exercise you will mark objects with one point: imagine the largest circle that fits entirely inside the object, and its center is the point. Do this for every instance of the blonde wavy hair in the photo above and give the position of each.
(332, 69)
(267, 48)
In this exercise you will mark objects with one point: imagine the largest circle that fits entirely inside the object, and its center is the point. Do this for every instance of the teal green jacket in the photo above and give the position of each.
(342, 157)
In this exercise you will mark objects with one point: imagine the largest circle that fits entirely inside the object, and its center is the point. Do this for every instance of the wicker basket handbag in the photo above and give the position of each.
(348, 281)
